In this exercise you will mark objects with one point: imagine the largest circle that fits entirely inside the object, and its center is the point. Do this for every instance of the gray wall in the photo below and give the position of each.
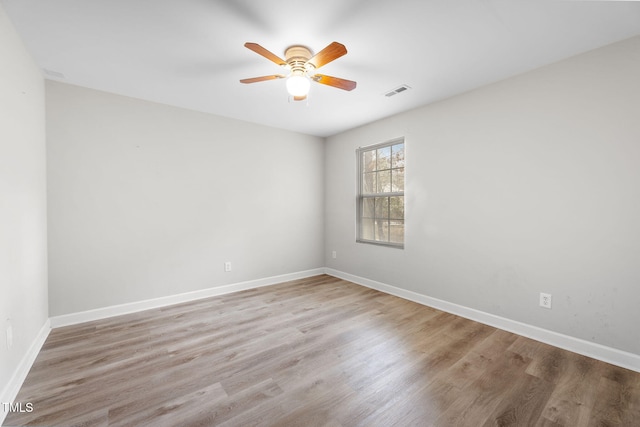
(147, 200)
(528, 185)
(23, 209)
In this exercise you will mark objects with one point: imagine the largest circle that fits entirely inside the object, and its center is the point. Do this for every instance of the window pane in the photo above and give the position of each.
(382, 230)
(368, 208)
(397, 178)
(384, 158)
(367, 229)
(396, 231)
(397, 156)
(396, 207)
(369, 161)
(384, 181)
(381, 193)
(369, 183)
(382, 207)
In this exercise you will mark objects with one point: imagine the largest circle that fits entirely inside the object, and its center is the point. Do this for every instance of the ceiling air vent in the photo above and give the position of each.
(397, 90)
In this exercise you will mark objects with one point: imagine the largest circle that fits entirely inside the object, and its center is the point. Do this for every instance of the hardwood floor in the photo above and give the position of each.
(315, 352)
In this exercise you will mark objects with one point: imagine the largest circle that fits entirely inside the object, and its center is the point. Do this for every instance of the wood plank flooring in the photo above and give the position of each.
(315, 352)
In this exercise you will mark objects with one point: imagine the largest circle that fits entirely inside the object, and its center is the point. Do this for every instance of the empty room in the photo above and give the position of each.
(345, 213)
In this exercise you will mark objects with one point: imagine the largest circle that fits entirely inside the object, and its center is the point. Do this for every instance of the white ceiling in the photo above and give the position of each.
(190, 53)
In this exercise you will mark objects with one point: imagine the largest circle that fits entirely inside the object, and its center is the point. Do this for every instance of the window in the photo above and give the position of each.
(381, 194)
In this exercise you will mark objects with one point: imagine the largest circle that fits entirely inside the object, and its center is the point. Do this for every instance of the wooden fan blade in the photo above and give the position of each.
(335, 82)
(263, 78)
(334, 51)
(264, 52)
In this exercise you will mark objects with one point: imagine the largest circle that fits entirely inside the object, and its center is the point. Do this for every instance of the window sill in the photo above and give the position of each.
(377, 243)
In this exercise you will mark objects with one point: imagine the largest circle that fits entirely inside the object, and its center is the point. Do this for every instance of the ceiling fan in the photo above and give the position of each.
(302, 65)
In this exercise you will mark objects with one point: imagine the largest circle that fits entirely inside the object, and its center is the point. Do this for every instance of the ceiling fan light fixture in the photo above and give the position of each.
(302, 65)
(298, 85)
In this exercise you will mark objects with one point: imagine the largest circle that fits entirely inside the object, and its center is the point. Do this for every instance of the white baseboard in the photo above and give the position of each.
(117, 310)
(10, 391)
(596, 351)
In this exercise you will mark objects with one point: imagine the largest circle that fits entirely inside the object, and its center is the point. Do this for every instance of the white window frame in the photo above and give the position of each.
(361, 196)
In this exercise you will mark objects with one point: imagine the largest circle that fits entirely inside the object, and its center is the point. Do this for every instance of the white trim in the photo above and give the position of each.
(10, 391)
(133, 307)
(587, 348)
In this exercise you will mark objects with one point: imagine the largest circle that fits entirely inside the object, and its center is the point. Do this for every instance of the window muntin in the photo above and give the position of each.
(381, 194)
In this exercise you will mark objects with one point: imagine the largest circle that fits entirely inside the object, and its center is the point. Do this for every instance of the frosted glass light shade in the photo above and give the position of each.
(298, 85)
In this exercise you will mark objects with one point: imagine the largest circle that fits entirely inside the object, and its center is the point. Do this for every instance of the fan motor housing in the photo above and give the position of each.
(296, 53)
(297, 57)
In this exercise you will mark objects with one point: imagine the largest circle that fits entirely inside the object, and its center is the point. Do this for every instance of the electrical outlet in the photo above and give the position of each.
(227, 266)
(334, 254)
(545, 300)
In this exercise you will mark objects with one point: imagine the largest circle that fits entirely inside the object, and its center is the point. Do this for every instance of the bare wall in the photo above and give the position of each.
(147, 200)
(525, 186)
(23, 208)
